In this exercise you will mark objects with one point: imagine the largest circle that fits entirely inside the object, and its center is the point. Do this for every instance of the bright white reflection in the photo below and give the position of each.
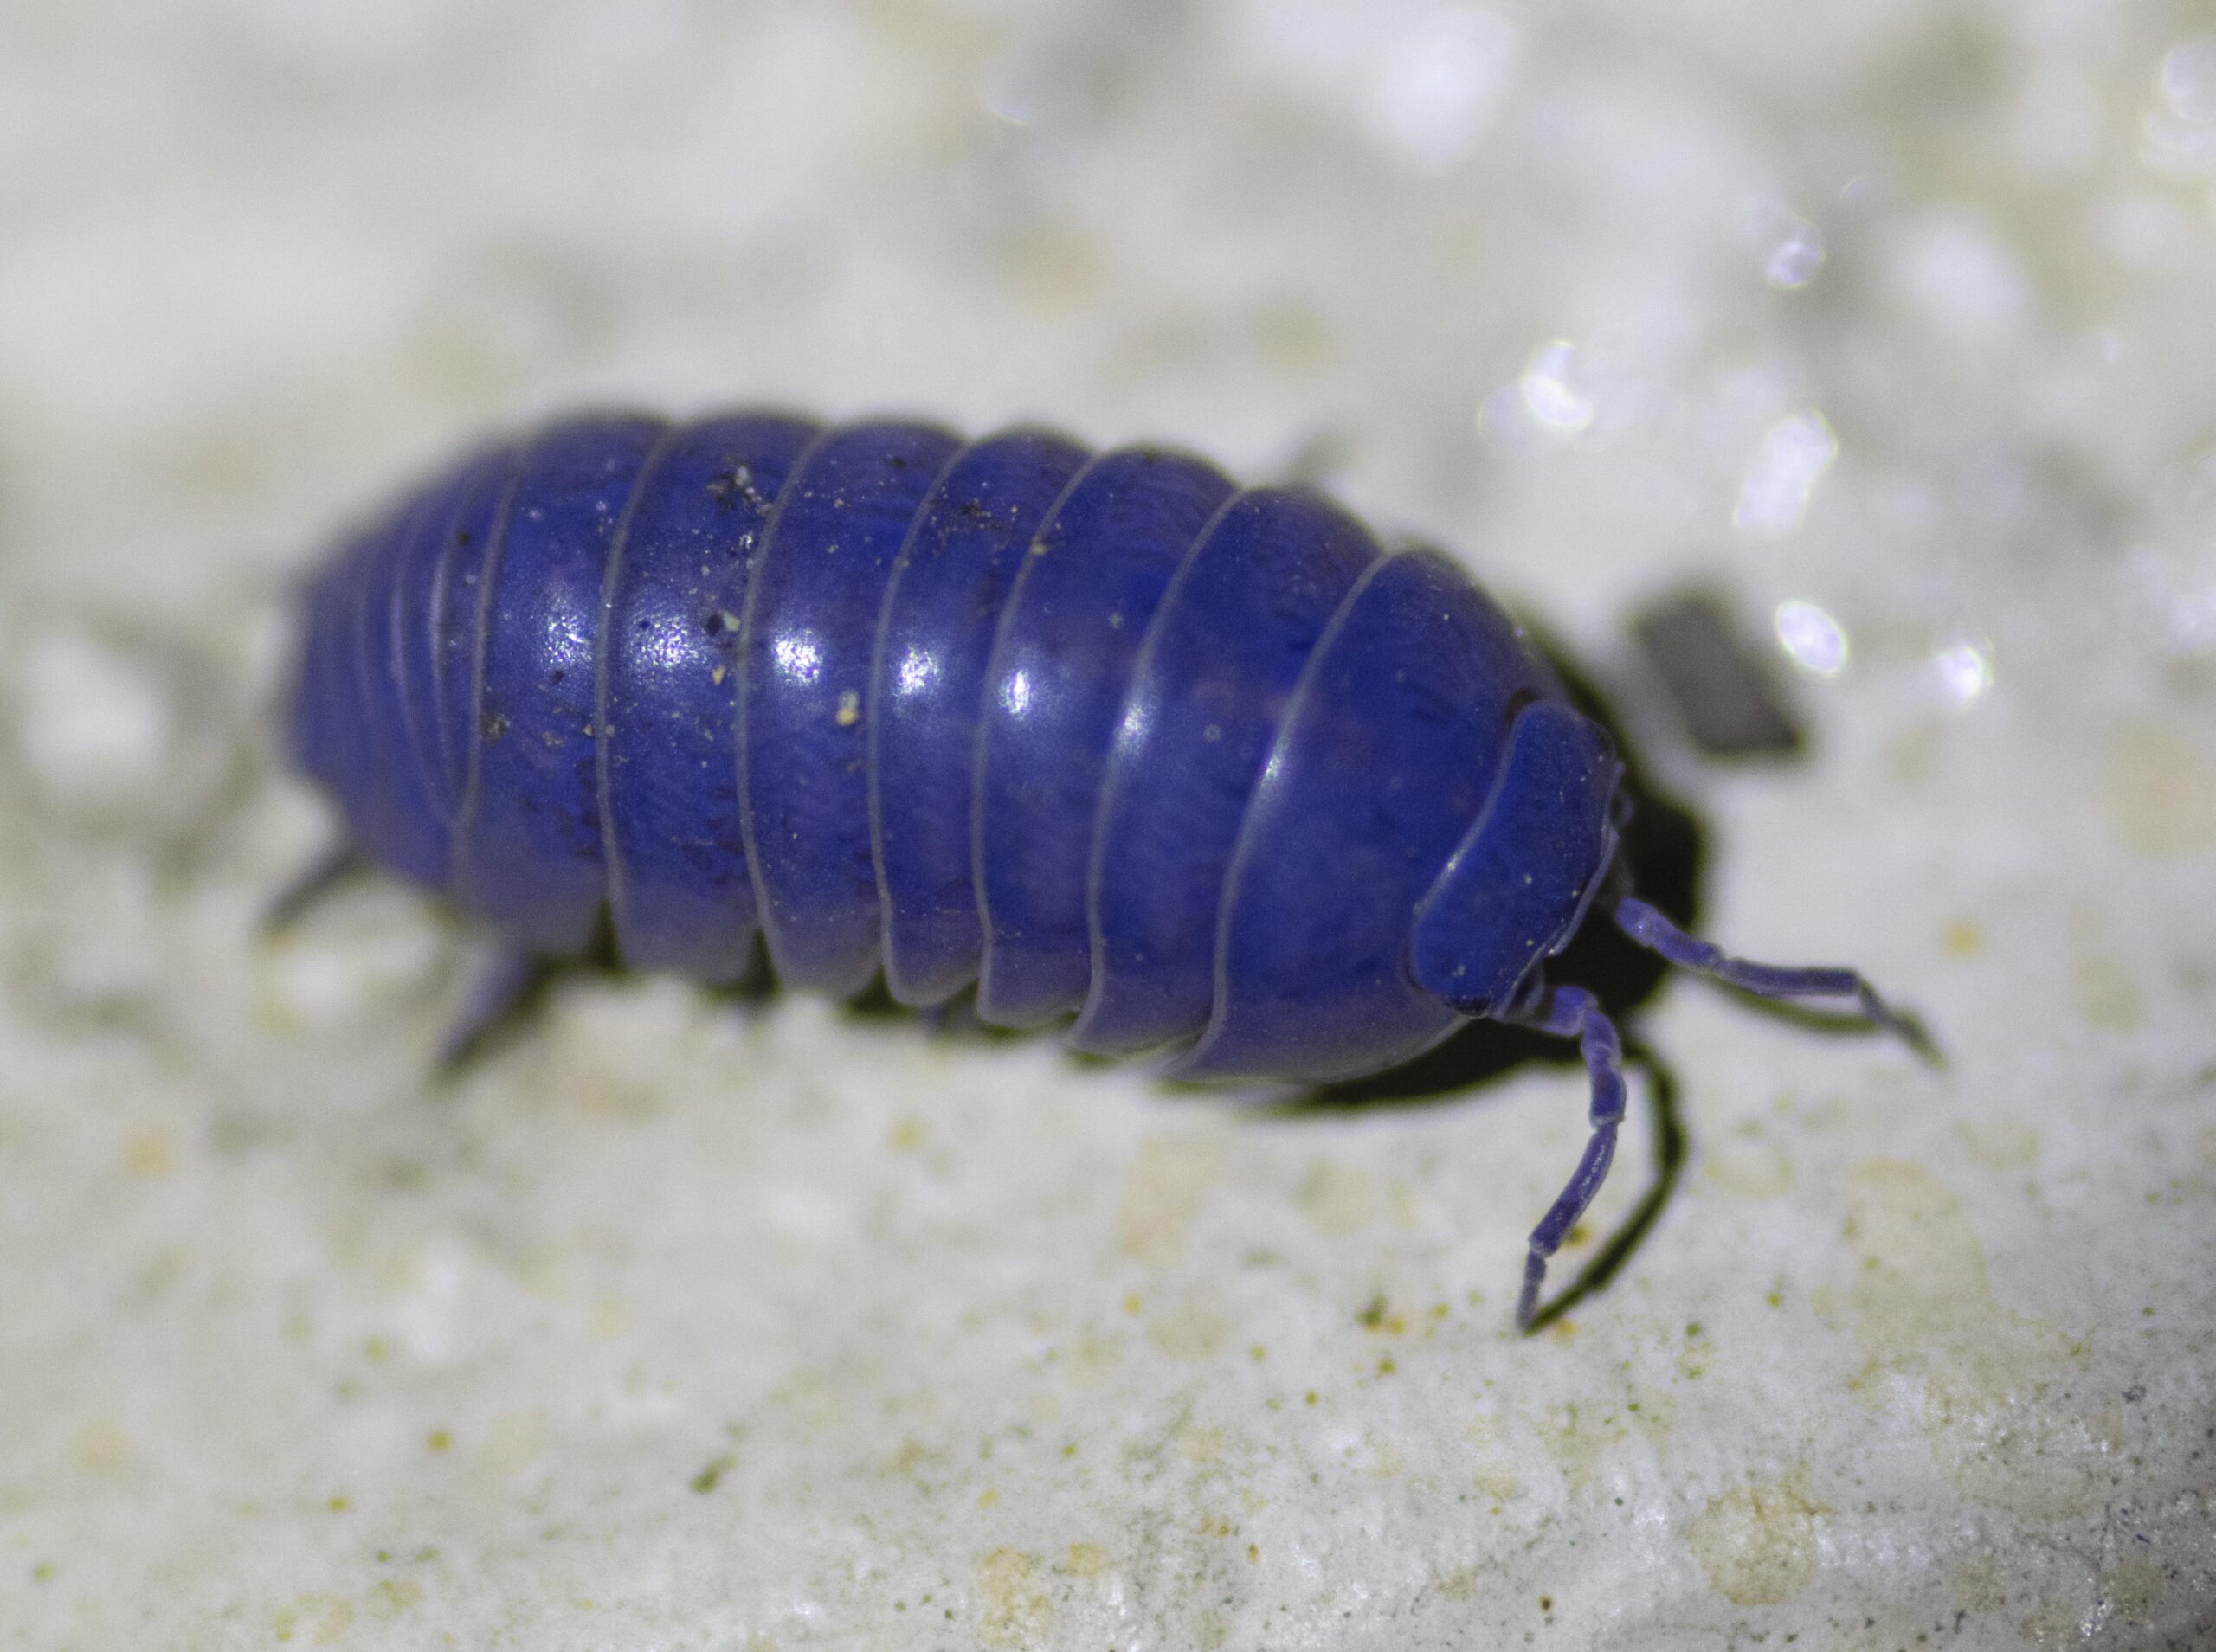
(667, 645)
(2179, 136)
(1962, 666)
(1549, 395)
(1811, 638)
(2188, 79)
(800, 658)
(1015, 693)
(1436, 83)
(917, 671)
(1794, 258)
(1794, 453)
(2192, 621)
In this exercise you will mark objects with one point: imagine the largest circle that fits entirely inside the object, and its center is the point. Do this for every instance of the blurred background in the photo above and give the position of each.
(688, 1325)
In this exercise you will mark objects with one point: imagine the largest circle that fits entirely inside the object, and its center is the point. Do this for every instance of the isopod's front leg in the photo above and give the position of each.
(1646, 926)
(1573, 1012)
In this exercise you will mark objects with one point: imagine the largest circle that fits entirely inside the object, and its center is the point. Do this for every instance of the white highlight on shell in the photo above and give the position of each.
(917, 671)
(1551, 393)
(1811, 638)
(1791, 459)
(1795, 256)
(1961, 666)
(799, 656)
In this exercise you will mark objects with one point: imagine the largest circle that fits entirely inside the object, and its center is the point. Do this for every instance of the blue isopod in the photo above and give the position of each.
(1200, 769)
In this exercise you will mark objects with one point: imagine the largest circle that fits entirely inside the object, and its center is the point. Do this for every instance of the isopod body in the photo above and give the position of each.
(1200, 769)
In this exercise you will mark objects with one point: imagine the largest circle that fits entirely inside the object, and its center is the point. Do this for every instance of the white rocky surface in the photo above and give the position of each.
(683, 1324)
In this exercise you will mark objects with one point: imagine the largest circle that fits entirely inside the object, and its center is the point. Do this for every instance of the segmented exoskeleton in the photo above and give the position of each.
(1199, 768)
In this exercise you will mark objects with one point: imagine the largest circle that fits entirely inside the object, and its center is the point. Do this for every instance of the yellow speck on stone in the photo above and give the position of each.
(2051, 1625)
(1976, 1581)
(1163, 1190)
(1654, 1413)
(1092, 1358)
(1925, 1308)
(147, 1154)
(987, 1497)
(1576, 1437)
(324, 1618)
(100, 1448)
(1961, 938)
(1999, 1144)
(905, 1135)
(1054, 267)
(1086, 1559)
(1014, 1609)
(2134, 1587)
(513, 1444)
(439, 1440)
(2108, 993)
(1194, 1330)
(1338, 1200)
(1295, 339)
(1758, 1545)
(611, 1317)
(2158, 789)
(1461, 1584)
(393, 1596)
(1751, 1172)
(1200, 1445)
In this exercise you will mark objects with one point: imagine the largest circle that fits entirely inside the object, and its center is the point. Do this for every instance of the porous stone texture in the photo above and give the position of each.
(688, 1323)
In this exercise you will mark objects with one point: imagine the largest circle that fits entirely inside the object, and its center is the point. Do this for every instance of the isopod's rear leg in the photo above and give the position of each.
(340, 864)
(1658, 934)
(505, 987)
(1573, 1012)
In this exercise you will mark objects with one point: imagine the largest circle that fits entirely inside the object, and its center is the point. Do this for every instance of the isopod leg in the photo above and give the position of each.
(1573, 1012)
(335, 866)
(1658, 934)
(503, 989)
